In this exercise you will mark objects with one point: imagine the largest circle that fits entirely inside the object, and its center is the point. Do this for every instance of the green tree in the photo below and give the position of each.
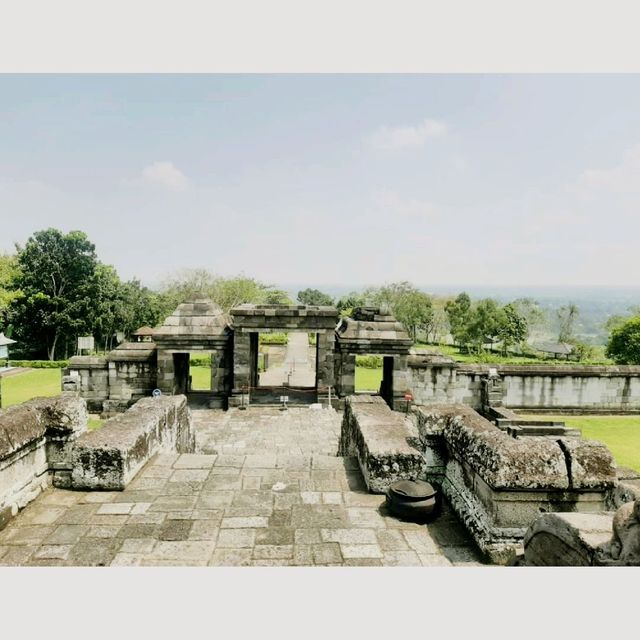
(513, 328)
(277, 296)
(459, 314)
(123, 306)
(8, 291)
(415, 311)
(624, 344)
(141, 307)
(535, 317)
(189, 284)
(567, 317)
(315, 297)
(56, 283)
(438, 326)
(108, 305)
(486, 319)
(346, 304)
(408, 304)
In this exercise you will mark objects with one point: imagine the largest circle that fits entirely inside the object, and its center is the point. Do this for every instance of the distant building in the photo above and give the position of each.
(555, 348)
(143, 334)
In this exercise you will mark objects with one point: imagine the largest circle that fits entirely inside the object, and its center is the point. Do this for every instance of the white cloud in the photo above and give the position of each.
(165, 175)
(623, 178)
(406, 137)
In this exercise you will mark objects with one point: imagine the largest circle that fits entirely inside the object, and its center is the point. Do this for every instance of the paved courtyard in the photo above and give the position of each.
(297, 431)
(259, 494)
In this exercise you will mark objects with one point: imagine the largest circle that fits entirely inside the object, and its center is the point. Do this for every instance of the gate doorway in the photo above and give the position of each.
(306, 371)
(288, 369)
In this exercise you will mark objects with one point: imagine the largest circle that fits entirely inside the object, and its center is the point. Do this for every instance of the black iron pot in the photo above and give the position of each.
(413, 500)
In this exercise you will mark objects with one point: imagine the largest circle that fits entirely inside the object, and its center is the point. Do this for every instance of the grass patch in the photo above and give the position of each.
(620, 433)
(35, 383)
(368, 379)
(200, 378)
(94, 423)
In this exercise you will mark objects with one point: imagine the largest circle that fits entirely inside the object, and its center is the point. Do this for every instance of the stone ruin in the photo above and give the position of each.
(46, 442)
(133, 370)
(530, 492)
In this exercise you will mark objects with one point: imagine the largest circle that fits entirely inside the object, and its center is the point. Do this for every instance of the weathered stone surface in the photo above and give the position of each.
(378, 437)
(35, 438)
(509, 463)
(567, 539)
(110, 457)
(436, 379)
(498, 484)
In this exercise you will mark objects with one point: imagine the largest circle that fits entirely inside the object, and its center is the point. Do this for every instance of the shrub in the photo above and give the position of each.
(200, 361)
(40, 364)
(583, 351)
(369, 362)
(274, 338)
(624, 344)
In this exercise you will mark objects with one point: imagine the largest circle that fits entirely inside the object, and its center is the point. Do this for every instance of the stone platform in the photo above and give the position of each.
(274, 494)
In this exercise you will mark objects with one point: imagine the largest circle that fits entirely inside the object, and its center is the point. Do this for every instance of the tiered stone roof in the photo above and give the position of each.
(372, 330)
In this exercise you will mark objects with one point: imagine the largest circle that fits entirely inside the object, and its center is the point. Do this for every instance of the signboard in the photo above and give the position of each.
(408, 396)
(4, 352)
(156, 393)
(85, 343)
(284, 398)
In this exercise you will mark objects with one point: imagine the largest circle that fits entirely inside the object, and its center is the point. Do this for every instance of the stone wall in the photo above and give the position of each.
(89, 376)
(110, 457)
(498, 485)
(435, 379)
(114, 383)
(35, 441)
(381, 440)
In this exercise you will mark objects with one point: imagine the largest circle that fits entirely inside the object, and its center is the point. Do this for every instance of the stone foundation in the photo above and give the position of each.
(110, 457)
(437, 379)
(379, 438)
(498, 485)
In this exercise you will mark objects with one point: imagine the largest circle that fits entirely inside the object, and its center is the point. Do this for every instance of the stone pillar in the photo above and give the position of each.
(218, 372)
(325, 343)
(166, 373)
(491, 391)
(401, 382)
(347, 382)
(241, 367)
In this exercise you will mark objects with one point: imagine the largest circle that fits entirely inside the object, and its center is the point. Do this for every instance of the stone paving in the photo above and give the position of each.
(261, 504)
(298, 367)
(297, 431)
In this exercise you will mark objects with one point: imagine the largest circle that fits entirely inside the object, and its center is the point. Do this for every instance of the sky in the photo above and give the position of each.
(325, 179)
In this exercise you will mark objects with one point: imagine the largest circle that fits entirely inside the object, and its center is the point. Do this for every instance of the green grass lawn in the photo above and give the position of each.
(33, 383)
(368, 379)
(620, 433)
(200, 378)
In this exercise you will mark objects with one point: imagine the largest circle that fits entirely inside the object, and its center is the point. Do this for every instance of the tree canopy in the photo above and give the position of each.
(189, 284)
(624, 344)
(315, 297)
(59, 291)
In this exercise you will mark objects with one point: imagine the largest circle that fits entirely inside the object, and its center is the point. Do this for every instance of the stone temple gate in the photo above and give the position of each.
(132, 371)
(249, 320)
